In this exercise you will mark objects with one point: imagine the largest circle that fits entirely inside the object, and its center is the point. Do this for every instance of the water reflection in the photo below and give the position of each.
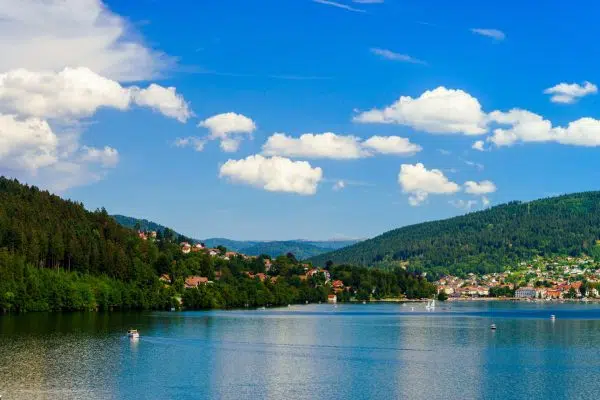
(305, 352)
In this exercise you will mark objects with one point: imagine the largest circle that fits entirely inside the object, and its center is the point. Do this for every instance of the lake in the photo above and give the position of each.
(378, 351)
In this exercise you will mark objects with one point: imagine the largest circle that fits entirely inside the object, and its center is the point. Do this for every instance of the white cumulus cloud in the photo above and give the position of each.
(479, 188)
(229, 128)
(420, 182)
(566, 93)
(436, 111)
(525, 126)
(274, 174)
(75, 93)
(323, 145)
(339, 147)
(391, 145)
(26, 144)
(164, 100)
(50, 35)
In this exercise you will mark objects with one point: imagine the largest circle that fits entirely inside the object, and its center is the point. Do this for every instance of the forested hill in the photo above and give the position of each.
(55, 256)
(48, 231)
(487, 240)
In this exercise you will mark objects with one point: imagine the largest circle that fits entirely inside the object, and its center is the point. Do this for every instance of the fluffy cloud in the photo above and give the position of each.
(478, 145)
(569, 93)
(390, 55)
(229, 128)
(26, 144)
(339, 147)
(50, 35)
(274, 174)
(324, 145)
(420, 182)
(436, 111)
(391, 145)
(75, 93)
(525, 126)
(67, 59)
(493, 33)
(480, 188)
(164, 100)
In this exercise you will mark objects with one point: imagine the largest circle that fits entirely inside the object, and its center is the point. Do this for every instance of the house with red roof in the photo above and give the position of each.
(195, 281)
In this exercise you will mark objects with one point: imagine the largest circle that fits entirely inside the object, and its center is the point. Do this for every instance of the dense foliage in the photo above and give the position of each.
(485, 241)
(55, 255)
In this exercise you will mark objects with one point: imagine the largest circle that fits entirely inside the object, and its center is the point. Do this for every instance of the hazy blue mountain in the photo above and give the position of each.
(302, 249)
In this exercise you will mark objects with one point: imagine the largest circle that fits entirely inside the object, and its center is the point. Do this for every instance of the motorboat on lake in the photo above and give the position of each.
(133, 334)
(493, 327)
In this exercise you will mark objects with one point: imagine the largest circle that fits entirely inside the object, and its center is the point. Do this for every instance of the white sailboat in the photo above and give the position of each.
(430, 305)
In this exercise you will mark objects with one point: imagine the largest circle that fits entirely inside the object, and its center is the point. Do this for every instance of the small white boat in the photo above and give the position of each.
(553, 317)
(430, 305)
(133, 334)
(493, 327)
(261, 308)
(364, 302)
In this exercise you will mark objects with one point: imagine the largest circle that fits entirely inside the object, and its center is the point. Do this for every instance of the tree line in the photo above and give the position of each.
(56, 255)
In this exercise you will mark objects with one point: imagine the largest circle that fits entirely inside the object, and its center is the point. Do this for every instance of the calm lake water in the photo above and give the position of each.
(357, 351)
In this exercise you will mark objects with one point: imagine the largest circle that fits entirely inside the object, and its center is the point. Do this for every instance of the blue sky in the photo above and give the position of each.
(301, 67)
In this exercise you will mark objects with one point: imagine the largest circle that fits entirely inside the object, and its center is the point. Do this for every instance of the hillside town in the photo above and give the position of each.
(542, 278)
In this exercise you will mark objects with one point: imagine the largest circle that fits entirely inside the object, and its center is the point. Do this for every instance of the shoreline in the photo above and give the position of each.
(483, 299)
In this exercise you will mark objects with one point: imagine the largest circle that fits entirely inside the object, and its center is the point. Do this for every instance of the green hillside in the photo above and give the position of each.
(301, 250)
(57, 256)
(487, 240)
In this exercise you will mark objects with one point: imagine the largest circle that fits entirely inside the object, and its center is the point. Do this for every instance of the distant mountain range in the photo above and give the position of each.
(485, 241)
(302, 249)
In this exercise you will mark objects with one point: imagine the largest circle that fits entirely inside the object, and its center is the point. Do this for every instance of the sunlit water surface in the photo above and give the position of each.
(377, 351)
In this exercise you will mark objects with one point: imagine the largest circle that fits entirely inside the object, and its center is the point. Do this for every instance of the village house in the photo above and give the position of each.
(165, 278)
(213, 252)
(315, 271)
(197, 247)
(525, 293)
(268, 264)
(186, 248)
(195, 281)
(332, 298)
